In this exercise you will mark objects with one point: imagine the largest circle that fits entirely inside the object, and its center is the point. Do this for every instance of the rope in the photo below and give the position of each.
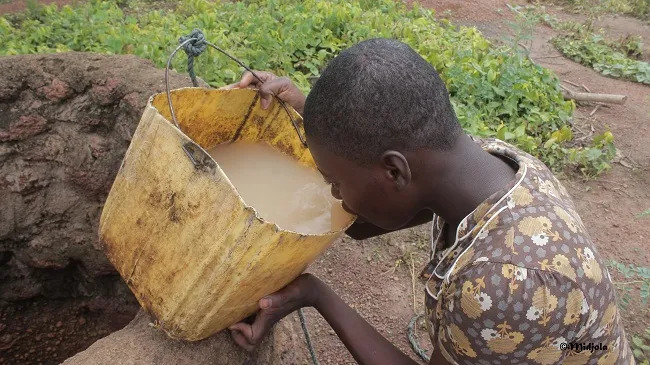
(310, 346)
(414, 343)
(193, 49)
(194, 44)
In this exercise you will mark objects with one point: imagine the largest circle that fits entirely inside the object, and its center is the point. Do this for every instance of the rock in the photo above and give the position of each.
(25, 127)
(66, 121)
(57, 91)
(140, 343)
(107, 91)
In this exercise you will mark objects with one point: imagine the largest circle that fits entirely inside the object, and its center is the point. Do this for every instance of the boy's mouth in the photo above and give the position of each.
(359, 219)
(347, 209)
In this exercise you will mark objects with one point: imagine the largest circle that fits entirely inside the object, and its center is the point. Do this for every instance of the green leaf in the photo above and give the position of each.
(492, 75)
(501, 133)
(550, 142)
(593, 154)
(638, 341)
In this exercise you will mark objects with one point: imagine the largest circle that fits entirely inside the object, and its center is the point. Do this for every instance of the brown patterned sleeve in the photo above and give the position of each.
(493, 313)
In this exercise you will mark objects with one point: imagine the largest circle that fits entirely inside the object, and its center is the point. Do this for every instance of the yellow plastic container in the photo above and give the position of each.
(193, 253)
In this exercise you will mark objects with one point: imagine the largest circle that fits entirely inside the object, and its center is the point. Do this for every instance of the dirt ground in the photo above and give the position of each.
(376, 276)
(12, 6)
(47, 331)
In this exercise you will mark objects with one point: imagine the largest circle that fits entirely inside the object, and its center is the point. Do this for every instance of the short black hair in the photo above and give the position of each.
(377, 95)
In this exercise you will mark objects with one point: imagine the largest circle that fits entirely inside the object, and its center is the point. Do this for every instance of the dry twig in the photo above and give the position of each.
(571, 83)
(594, 110)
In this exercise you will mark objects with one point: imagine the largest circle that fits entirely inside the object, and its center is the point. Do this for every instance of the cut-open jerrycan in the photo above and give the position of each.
(195, 255)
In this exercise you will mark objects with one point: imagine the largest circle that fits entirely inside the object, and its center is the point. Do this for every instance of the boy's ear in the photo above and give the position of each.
(396, 168)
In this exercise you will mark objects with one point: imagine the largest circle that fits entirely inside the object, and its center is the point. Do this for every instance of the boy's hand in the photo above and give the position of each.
(302, 292)
(271, 85)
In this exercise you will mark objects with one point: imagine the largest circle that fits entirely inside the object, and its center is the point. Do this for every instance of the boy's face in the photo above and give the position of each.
(376, 193)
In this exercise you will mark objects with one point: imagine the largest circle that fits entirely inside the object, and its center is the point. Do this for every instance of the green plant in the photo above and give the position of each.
(583, 44)
(640, 345)
(630, 45)
(644, 214)
(594, 160)
(496, 91)
(593, 51)
(636, 8)
(636, 275)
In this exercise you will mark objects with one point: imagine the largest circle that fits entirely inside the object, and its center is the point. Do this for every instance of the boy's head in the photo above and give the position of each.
(375, 106)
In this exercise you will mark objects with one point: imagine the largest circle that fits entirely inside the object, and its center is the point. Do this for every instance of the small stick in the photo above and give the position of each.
(513, 9)
(413, 282)
(634, 162)
(550, 56)
(524, 47)
(580, 130)
(594, 111)
(565, 88)
(586, 88)
(551, 63)
(571, 83)
(389, 271)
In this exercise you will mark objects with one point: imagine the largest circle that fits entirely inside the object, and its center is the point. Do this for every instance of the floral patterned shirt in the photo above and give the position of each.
(523, 282)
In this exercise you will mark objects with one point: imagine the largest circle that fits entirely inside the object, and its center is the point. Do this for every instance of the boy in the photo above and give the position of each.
(513, 278)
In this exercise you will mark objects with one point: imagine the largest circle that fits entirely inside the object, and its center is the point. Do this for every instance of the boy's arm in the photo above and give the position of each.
(365, 344)
(361, 231)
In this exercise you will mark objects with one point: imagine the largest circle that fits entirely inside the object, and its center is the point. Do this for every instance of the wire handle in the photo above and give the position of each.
(196, 42)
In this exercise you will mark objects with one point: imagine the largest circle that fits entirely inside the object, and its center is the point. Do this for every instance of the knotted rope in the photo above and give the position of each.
(194, 44)
(193, 49)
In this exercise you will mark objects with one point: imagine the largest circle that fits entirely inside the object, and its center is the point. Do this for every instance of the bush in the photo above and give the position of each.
(593, 51)
(636, 8)
(495, 90)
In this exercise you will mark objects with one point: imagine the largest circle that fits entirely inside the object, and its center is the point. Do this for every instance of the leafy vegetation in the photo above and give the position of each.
(496, 91)
(593, 51)
(594, 159)
(636, 8)
(640, 345)
(635, 275)
(581, 43)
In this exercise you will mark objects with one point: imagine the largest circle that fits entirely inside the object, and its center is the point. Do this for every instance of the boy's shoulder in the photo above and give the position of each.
(524, 279)
(537, 226)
